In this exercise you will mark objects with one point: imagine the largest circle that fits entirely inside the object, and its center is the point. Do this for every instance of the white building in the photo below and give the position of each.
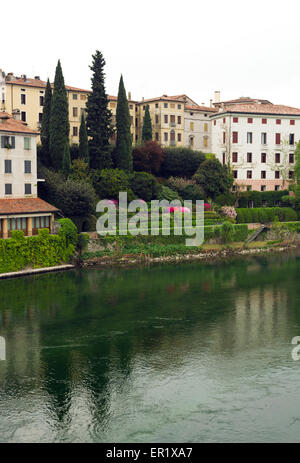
(258, 141)
(20, 208)
(197, 127)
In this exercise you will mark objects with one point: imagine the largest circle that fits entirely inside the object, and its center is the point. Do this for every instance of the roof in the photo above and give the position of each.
(25, 206)
(41, 84)
(200, 108)
(267, 109)
(8, 124)
(115, 98)
(242, 100)
(165, 98)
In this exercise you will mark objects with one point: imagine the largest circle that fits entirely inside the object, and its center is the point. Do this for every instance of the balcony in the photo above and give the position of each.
(172, 142)
(172, 124)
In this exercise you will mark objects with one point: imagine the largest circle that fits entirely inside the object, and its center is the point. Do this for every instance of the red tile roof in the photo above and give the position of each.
(41, 84)
(8, 124)
(201, 108)
(25, 206)
(268, 109)
(164, 98)
(242, 100)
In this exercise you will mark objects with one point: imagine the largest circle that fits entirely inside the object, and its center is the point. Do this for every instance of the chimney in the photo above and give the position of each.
(129, 96)
(143, 99)
(16, 114)
(210, 103)
(37, 77)
(217, 96)
(24, 77)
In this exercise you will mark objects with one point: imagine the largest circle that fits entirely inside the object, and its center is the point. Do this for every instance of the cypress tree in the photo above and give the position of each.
(83, 141)
(59, 120)
(45, 127)
(66, 162)
(124, 140)
(99, 118)
(147, 126)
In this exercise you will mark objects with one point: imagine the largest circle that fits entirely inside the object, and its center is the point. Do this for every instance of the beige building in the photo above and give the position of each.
(27, 95)
(20, 208)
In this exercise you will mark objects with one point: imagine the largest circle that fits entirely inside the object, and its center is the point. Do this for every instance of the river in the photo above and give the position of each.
(194, 352)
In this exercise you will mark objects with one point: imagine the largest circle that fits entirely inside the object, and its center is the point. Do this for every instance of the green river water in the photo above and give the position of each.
(194, 352)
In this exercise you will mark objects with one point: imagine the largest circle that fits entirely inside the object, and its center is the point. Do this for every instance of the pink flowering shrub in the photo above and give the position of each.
(229, 212)
(207, 206)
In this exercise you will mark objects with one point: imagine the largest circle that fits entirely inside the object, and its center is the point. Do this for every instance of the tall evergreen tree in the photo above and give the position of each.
(99, 118)
(59, 120)
(83, 141)
(147, 126)
(66, 162)
(124, 140)
(45, 127)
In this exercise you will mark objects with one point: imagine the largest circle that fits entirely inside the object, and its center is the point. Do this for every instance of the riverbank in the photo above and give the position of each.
(34, 271)
(207, 252)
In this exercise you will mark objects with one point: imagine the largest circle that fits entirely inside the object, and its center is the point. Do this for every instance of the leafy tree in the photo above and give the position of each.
(45, 128)
(83, 141)
(297, 163)
(108, 183)
(59, 121)
(76, 199)
(99, 118)
(145, 186)
(181, 162)
(147, 126)
(214, 178)
(80, 171)
(148, 157)
(124, 141)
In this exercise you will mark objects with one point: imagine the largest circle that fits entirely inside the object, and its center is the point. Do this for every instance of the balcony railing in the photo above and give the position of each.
(172, 142)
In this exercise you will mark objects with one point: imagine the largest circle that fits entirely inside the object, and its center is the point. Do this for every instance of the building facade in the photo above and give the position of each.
(20, 208)
(258, 142)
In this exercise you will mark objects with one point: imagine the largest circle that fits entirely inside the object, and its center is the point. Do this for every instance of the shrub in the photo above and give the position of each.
(108, 183)
(272, 198)
(80, 171)
(83, 241)
(229, 212)
(47, 190)
(214, 178)
(76, 199)
(168, 194)
(265, 215)
(148, 157)
(180, 162)
(145, 186)
(227, 232)
(69, 230)
(225, 199)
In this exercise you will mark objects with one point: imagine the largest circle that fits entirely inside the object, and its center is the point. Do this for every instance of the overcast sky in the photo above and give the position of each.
(161, 46)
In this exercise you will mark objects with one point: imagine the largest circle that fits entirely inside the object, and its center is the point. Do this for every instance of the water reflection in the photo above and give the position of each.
(145, 354)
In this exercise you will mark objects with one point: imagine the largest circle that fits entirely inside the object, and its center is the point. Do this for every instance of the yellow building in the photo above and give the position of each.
(133, 110)
(27, 96)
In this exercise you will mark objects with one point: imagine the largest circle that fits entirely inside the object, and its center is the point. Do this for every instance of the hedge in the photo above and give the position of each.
(43, 250)
(266, 214)
(271, 198)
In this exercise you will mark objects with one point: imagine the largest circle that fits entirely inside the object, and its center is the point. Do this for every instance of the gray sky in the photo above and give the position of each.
(161, 46)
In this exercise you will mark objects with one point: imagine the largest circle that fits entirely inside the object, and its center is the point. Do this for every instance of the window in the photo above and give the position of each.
(205, 142)
(172, 105)
(277, 139)
(23, 98)
(179, 106)
(264, 138)
(263, 174)
(8, 188)
(277, 187)
(249, 157)
(23, 116)
(136, 121)
(179, 137)
(165, 105)
(156, 105)
(191, 141)
(235, 120)
(235, 137)
(264, 121)
(224, 120)
(172, 119)
(277, 158)
(8, 142)
(249, 173)
(277, 174)
(166, 118)
(263, 188)
(40, 118)
(27, 143)
(224, 158)
(278, 121)
(291, 139)
(291, 158)
(41, 100)
(75, 112)
(205, 127)
(292, 122)
(7, 166)
(234, 157)
(27, 167)
(172, 135)
(291, 174)
(224, 138)
(263, 158)
(249, 137)
(75, 131)
(131, 106)
(75, 96)
(156, 119)
(166, 136)
(235, 174)
(215, 122)
(249, 188)
(179, 119)
(192, 126)
(250, 120)
(83, 97)
(27, 188)
(156, 136)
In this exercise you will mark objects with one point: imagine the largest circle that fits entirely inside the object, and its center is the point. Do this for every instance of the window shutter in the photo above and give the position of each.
(2, 141)
(13, 142)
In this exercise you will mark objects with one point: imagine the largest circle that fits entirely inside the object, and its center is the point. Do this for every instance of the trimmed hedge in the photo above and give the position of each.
(43, 250)
(266, 214)
(271, 197)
